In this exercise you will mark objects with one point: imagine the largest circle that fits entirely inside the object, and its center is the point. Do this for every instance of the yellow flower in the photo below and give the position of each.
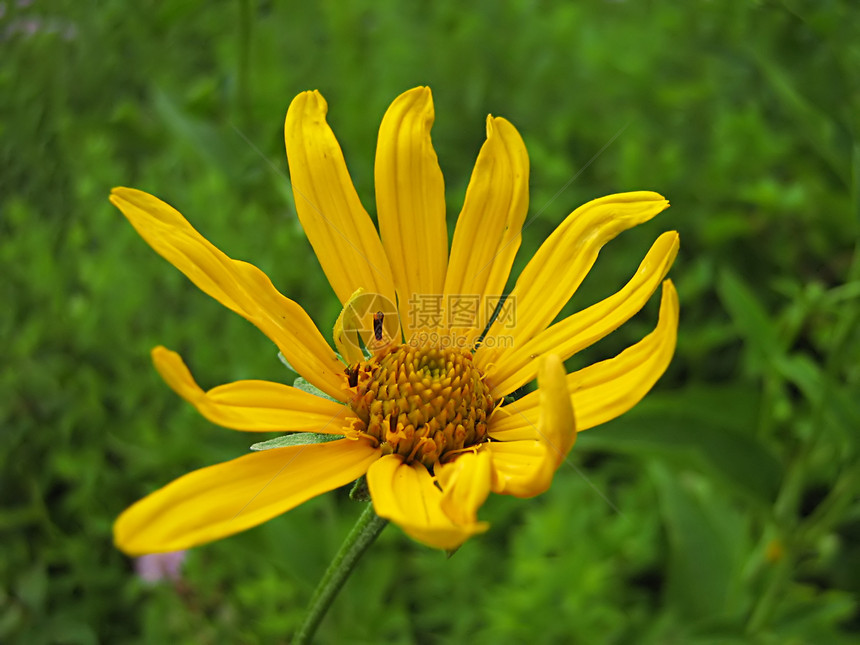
(421, 411)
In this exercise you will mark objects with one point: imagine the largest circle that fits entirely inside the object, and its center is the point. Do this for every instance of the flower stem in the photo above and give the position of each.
(362, 535)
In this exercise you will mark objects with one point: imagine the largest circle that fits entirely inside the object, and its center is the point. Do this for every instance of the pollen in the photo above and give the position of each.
(424, 403)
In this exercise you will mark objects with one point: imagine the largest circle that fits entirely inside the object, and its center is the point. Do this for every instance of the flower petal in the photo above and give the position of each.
(584, 328)
(556, 425)
(339, 229)
(608, 389)
(487, 235)
(346, 331)
(407, 495)
(255, 406)
(237, 285)
(605, 390)
(521, 468)
(465, 485)
(410, 201)
(227, 498)
(367, 317)
(561, 263)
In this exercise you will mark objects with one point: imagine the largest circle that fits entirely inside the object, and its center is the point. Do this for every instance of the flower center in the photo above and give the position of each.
(421, 402)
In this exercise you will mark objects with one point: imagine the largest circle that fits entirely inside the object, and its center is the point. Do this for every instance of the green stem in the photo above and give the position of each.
(246, 13)
(832, 509)
(767, 600)
(365, 531)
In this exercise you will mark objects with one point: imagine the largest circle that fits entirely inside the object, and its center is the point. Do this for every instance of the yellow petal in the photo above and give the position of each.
(237, 285)
(358, 321)
(517, 367)
(255, 406)
(561, 263)
(524, 468)
(605, 390)
(346, 331)
(226, 498)
(339, 229)
(465, 485)
(556, 425)
(410, 201)
(487, 235)
(406, 495)
(521, 468)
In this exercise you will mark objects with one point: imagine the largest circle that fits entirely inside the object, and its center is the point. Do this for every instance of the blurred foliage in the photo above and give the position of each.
(723, 509)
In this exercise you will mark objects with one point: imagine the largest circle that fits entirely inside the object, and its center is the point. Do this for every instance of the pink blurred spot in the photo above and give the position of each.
(156, 567)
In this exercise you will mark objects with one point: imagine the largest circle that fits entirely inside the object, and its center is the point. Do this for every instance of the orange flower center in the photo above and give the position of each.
(421, 402)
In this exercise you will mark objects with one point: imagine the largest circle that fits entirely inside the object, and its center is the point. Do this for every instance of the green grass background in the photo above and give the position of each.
(723, 509)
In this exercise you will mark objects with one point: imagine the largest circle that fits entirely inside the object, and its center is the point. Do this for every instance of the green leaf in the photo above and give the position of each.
(817, 126)
(707, 540)
(295, 439)
(303, 384)
(747, 313)
(200, 135)
(815, 615)
(709, 429)
(840, 410)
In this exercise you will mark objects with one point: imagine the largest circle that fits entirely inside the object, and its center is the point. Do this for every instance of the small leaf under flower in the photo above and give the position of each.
(295, 439)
